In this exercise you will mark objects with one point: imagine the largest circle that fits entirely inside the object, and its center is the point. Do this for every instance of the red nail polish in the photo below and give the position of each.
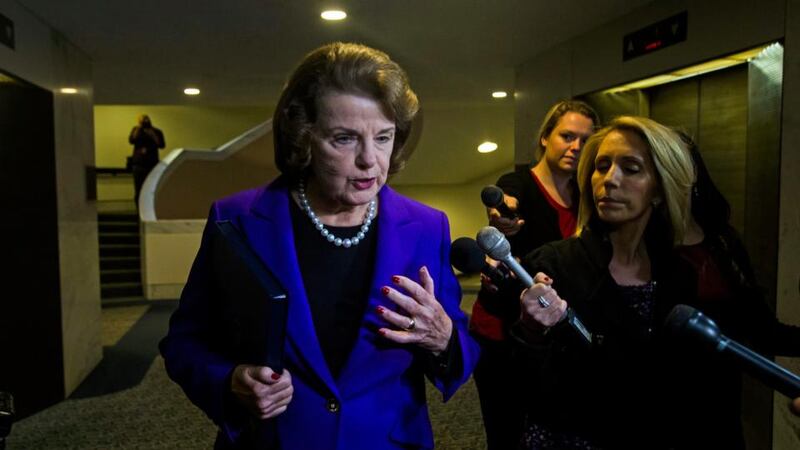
(382, 332)
(379, 310)
(385, 290)
(396, 279)
(275, 376)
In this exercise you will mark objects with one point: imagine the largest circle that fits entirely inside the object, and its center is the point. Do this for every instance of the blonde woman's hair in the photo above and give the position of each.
(673, 164)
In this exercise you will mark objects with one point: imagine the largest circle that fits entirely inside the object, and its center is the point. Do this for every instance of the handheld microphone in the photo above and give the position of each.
(493, 197)
(492, 242)
(495, 244)
(685, 322)
(467, 257)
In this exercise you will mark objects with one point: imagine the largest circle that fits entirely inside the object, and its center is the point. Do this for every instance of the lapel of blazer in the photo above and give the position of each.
(269, 230)
(396, 250)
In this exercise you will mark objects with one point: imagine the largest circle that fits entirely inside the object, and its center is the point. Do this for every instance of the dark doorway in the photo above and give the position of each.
(30, 304)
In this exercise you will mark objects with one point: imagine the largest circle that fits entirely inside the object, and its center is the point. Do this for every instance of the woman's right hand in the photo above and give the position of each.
(508, 227)
(536, 315)
(263, 392)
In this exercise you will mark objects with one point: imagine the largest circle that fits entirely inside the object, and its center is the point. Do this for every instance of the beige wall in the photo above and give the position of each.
(44, 57)
(785, 434)
(185, 193)
(195, 127)
(461, 202)
(115, 188)
(168, 250)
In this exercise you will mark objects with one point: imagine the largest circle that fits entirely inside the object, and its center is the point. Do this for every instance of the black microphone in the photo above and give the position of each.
(685, 322)
(492, 197)
(467, 257)
(495, 244)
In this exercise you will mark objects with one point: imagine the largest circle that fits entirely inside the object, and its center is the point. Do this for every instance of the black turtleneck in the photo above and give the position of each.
(337, 283)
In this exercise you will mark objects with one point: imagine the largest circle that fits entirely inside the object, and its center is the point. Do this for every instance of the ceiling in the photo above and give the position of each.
(239, 52)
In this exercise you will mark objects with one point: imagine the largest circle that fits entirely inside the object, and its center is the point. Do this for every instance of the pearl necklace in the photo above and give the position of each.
(339, 242)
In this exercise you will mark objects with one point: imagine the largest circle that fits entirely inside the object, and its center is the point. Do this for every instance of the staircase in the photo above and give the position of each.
(120, 265)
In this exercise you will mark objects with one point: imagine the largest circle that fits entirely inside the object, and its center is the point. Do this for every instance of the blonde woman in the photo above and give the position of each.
(621, 276)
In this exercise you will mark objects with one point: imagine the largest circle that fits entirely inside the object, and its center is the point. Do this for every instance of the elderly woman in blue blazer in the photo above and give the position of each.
(373, 301)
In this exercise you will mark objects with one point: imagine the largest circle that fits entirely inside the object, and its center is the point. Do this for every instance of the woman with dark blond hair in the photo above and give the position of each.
(373, 301)
(544, 197)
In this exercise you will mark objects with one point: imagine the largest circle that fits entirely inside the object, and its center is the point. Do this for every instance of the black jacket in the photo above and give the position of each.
(746, 316)
(541, 220)
(541, 226)
(633, 388)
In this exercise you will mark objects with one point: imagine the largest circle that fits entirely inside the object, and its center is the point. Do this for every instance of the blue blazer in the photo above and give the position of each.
(378, 401)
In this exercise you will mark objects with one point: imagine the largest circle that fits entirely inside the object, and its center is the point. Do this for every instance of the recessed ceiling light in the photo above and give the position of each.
(487, 147)
(191, 91)
(68, 90)
(333, 14)
(499, 94)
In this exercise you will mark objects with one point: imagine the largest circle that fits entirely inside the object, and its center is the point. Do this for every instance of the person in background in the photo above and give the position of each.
(728, 293)
(544, 197)
(373, 300)
(621, 276)
(146, 140)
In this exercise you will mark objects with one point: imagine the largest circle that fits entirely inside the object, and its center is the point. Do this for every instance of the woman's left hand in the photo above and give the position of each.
(425, 322)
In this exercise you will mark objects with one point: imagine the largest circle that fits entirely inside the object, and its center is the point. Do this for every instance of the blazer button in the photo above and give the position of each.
(333, 405)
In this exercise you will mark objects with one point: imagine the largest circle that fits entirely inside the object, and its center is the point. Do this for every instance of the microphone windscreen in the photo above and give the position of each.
(492, 242)
(688, 325)
(677, 320)
(492, 196)
(466, 256)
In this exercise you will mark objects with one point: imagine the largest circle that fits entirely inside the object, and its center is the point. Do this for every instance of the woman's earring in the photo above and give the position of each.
(695, 191)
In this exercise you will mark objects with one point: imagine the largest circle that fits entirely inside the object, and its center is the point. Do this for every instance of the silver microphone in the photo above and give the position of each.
(494, 244)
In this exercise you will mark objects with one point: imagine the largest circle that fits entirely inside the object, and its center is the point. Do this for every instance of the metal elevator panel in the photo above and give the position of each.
(734, 115)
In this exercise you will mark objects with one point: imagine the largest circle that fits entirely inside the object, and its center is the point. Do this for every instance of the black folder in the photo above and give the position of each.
(252, 303)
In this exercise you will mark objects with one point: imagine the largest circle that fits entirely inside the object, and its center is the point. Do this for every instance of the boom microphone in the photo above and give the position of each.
(688, 323)
(467, 257)
(493, 197)
(495, 244)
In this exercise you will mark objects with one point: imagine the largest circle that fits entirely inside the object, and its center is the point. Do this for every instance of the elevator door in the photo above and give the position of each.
(732, 114)
(30, 304)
